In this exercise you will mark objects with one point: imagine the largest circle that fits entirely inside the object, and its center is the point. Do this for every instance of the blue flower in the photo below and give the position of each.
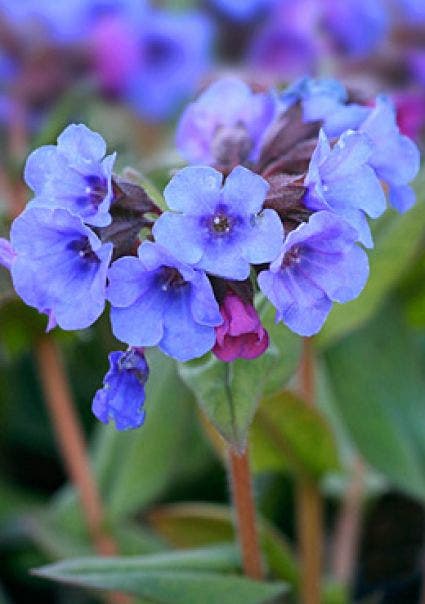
(74, 175)
(226, 125)
(123, 393)
(356, 26)
(341, 180)
(325, 100)
(174, 56)
(157, 300)
(243, 10)
(395, 157)
(221, 229)
(60, 266)
(288, 43)
(412, 10)
(319, 264)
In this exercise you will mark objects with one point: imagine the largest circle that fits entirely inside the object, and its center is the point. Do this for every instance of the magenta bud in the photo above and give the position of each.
(241, 335)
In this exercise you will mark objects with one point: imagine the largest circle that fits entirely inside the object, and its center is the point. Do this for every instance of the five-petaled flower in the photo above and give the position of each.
(221, 229)
(156, 299)
(74, 175)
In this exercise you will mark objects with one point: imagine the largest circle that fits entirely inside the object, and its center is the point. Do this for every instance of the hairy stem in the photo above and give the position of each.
(244, 507)
(71, 441)
(309, 502)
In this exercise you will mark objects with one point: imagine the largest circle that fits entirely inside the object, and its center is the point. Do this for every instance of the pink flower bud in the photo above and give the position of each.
(241, 334)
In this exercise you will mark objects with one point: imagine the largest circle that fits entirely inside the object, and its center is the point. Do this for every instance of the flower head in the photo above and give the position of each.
(74, 175)
(221, 229)
(60, 266)
(157, 300)
(340, 179)
(123, 393)
(319, 264)
(241, 336)
(226, 125)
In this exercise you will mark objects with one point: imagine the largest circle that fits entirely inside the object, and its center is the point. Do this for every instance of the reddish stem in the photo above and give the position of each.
(309, 501)
(245, 513)
(71, 441)
(347, 529)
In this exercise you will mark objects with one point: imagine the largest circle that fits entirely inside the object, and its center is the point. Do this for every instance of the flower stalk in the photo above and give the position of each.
(71, 442)
(244, 510)
(309, 502)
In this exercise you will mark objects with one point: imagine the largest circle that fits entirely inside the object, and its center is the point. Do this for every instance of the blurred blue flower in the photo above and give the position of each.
(356, 27)
(123, 393)
(412, 10)
(74, 175)
(225, 126)
(395, 157)
(243, 10)
(341, 180)
(60, 266)
(62, 22)
(325, 99)
(319, 264)
(157, 300)
(219, 228)
(288, 44)
(173, 55)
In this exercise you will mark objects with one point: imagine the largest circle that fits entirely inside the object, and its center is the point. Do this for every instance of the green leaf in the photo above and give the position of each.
(187, 577)
(397, 241)
(289, 433)
(197, 524)
(379, 387)
(229, 393)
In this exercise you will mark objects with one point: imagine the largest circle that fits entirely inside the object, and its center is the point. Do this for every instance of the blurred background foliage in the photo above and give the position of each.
(164, 486)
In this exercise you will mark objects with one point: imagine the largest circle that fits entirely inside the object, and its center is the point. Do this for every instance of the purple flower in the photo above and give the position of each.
(74, 175)
(325, 100)
(319, 264)
(226, 125)
(241, 336)
(341, 180)
(60, 266)
(288, 44)
(123, 393)
(174, 54)
(243, 10)
(221, 229)
(7, 253)
(157, 300)
(114, 64)
(356, 26)
(395, 157)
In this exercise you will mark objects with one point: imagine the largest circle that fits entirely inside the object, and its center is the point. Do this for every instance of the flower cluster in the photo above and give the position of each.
(280, 207)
